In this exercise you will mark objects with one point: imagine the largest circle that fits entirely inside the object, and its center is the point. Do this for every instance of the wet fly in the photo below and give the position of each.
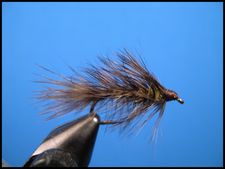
(124, 91)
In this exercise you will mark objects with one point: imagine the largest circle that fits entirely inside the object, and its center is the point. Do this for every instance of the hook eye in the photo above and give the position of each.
(180, 100)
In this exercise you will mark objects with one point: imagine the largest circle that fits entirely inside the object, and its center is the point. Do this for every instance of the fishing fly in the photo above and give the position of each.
(124, 92)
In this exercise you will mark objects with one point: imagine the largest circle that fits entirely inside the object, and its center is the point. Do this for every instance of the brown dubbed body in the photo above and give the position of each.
(123, 91)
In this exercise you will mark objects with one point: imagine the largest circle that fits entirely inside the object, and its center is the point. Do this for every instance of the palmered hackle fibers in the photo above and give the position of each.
(122, 92)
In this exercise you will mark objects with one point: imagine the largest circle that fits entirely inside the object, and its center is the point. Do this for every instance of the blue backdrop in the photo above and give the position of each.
(180, 42)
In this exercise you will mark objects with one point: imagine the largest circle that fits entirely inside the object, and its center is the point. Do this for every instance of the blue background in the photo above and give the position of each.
(180, 42)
